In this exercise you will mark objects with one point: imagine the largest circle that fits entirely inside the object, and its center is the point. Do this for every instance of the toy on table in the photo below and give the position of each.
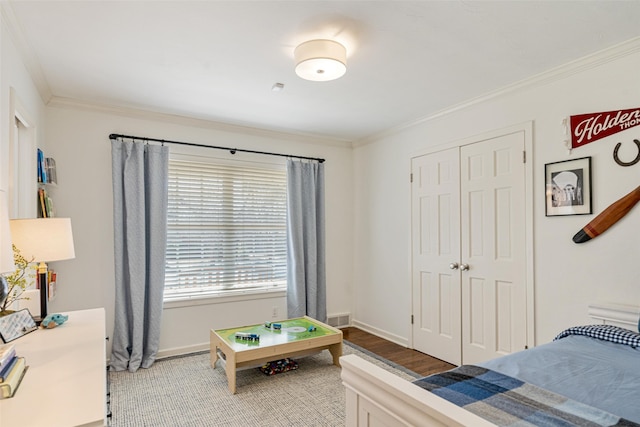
(247, 336)
(53, 320)
(311, 328)
(273, 326)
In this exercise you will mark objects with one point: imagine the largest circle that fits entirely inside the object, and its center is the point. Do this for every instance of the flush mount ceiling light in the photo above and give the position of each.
(320, 60)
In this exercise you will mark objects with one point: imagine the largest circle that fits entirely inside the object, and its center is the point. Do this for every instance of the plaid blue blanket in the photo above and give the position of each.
(506, 401)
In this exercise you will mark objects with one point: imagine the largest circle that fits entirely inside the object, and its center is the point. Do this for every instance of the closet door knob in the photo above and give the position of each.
(453, 266)
(464, 267)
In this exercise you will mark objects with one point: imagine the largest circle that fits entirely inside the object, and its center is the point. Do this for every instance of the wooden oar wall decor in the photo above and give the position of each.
(608, 217)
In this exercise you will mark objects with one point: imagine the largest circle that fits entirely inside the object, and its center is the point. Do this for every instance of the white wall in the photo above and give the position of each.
(19, 95)
(16, 87)
(78, 140)
(567, 276)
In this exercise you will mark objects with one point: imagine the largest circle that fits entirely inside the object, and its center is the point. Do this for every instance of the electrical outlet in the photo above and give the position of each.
(274, 312)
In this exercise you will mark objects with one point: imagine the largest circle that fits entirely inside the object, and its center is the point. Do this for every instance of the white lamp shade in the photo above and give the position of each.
(320, 60)
(6, 250)
(43, 239)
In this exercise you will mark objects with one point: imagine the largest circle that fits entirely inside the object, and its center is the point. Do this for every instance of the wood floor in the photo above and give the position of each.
(414, 360)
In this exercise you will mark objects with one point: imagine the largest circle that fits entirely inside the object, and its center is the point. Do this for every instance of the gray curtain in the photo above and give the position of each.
(140, 239)
(306, 279)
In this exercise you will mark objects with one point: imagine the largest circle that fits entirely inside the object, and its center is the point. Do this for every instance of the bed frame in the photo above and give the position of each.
(375, 397)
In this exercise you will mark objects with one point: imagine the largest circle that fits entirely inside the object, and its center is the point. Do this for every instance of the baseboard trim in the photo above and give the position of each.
(380, 333)
(180, 351)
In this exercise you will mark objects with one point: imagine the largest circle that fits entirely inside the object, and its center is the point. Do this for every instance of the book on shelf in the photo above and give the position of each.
(45, 204)
(42, 208)
(47, 173)
(42, 169)
(49, 206)
(9, 386)
(50, 166)
(51, 284)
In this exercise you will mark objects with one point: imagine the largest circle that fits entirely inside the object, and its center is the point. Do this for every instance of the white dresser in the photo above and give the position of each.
(66, 383)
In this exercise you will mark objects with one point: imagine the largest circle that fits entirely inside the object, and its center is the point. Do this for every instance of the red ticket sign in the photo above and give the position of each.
(586, 128)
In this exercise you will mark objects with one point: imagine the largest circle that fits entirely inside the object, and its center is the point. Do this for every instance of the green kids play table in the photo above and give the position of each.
(255, 345)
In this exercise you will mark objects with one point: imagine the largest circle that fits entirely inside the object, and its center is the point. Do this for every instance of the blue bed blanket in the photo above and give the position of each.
(588, 372)
(506, 401)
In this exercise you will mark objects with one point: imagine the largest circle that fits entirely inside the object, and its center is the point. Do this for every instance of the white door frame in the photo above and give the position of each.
(22, 183)
(527, 129)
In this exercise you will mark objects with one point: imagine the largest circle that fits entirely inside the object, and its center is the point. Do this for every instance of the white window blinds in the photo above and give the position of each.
(226, 229)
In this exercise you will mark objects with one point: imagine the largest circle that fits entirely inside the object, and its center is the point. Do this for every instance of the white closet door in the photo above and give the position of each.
(435, 245)
(493, 247)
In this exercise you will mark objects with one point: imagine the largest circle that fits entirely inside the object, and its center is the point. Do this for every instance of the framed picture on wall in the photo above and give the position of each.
(568, 187)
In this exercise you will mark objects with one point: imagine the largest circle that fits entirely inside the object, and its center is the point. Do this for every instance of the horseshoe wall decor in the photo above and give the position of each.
(620, 162)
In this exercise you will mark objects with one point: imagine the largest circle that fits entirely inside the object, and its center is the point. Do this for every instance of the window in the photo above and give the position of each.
(226, 229)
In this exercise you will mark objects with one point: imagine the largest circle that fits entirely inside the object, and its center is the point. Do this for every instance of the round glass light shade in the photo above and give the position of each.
(320, 60)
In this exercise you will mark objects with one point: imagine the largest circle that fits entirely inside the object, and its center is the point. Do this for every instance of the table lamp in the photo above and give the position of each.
(43, 240)
(6, 250)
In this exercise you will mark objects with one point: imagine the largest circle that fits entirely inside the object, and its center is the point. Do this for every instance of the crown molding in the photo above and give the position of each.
(68, 103)
(577, 66)
(25, 51)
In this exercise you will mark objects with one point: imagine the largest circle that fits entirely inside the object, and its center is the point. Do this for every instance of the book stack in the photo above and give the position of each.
(45, 204)
(47, 173)
(12, 370)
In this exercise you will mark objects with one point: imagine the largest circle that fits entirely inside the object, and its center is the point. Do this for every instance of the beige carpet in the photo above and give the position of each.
(186, 391)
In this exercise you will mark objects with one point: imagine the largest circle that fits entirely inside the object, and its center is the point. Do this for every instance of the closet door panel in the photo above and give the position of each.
(435, 217)
(493, 246)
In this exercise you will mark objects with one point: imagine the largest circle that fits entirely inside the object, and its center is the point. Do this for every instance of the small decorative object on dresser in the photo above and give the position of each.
(15, 325)
(53, 320)
(17, 282)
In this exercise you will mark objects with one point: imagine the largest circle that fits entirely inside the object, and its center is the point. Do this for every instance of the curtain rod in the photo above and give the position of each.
(231, 150)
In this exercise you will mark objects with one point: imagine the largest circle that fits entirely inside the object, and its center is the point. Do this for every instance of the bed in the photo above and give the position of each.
(587, 376)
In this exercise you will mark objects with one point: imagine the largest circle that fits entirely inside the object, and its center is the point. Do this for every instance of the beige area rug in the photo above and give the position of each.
(186, 391)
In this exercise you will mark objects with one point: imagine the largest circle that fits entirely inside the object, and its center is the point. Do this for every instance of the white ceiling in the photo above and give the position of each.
(217, 60)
